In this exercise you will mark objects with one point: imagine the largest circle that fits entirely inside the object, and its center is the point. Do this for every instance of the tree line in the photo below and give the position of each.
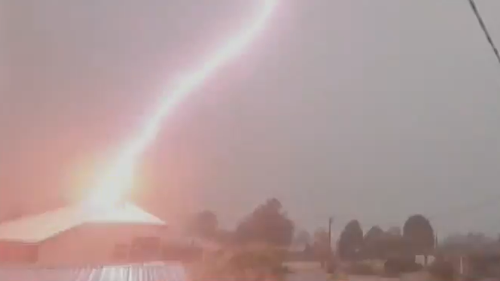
(269, 223)
(417, 238)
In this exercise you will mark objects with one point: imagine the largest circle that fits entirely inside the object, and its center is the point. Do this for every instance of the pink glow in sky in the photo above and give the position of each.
(116, 182)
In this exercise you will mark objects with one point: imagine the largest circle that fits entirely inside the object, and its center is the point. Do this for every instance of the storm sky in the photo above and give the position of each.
(363, 109)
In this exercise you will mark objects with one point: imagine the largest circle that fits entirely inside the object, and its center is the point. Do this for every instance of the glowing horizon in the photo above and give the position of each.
(118, 180)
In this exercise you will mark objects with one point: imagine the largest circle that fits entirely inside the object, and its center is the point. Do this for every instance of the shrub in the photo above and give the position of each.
(255, 261)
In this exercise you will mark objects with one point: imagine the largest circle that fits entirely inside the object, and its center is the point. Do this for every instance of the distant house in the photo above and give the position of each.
(77, 236)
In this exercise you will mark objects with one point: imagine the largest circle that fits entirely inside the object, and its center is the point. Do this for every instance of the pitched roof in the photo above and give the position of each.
(134, 272)
(40, 227)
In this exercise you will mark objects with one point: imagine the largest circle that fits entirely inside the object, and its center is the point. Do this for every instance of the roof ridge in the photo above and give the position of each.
(41, 226)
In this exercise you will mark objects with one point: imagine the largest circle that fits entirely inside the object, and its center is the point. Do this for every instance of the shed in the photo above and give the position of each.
(77, 236)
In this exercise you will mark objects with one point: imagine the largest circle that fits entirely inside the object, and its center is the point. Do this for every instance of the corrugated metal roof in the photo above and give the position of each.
(137, 272)
(43, 226)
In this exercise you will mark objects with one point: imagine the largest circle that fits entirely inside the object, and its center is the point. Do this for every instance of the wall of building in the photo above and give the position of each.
(102, 244)
(17, 252)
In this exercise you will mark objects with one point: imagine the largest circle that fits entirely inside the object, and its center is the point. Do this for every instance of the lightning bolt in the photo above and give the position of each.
(118, 179)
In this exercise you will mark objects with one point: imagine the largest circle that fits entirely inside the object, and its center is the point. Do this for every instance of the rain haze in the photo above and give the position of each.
(373, 110)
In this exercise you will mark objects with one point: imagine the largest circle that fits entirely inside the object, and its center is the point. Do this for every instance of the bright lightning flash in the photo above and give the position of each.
(118, 180)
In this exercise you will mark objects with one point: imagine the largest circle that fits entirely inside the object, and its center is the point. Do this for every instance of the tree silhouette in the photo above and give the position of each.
(351, 241)
(373, 243)
(374, 233)
(418, 232)
(268, 223)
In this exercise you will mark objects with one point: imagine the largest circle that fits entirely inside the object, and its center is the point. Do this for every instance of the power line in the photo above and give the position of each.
(485, 29)
(490, 200)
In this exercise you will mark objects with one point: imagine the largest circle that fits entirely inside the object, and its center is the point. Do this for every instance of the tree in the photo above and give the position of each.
(204, 224)
(372, 245)
(418, 232)
(374, 234)
(351, 241)
(268, 223)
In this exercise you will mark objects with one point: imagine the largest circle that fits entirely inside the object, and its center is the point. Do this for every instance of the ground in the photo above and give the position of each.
(321, 276)
(308, 276)
(310, 271)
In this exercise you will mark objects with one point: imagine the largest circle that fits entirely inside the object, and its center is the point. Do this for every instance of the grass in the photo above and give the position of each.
(241, 264)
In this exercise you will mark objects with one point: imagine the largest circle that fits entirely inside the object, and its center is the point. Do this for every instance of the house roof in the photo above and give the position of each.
(135, 272)
(40, 227)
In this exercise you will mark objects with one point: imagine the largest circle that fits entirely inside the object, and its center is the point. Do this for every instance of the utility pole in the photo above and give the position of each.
(329, 255)
(330, 222)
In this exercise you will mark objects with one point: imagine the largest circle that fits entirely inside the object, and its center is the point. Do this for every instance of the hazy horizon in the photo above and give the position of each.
(353, 109)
